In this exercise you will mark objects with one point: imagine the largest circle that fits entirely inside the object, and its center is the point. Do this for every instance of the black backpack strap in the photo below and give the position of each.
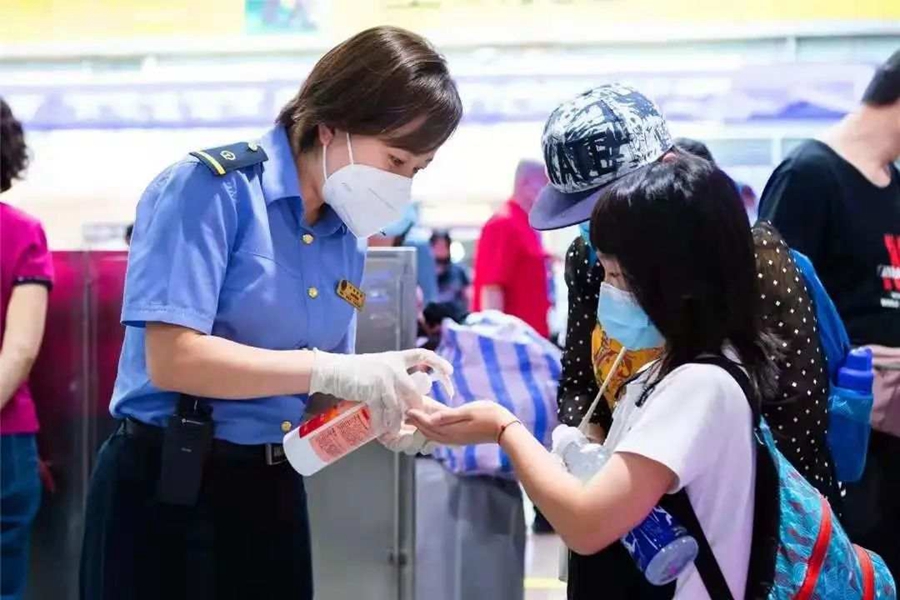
(679, 505)
(767, 503)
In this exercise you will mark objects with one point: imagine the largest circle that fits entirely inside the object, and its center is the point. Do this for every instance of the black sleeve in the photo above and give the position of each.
(47, 283)
(578, 386)
(798, 200)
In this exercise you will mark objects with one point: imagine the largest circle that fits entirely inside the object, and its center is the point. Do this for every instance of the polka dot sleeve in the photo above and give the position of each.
(578, 387)
(798, 415)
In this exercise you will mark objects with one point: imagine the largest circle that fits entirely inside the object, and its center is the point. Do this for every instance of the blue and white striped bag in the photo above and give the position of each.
(498, 357)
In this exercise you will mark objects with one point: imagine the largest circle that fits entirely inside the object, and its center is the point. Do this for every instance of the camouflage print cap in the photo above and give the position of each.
(591, 141)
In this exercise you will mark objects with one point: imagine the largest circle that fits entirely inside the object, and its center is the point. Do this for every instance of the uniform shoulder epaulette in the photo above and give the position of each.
(223, 159)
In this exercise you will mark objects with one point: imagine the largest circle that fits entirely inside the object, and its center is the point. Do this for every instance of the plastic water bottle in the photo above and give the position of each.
(660, 546)
(857, 372)
(849, 412)
(336, 432)
(583, 459)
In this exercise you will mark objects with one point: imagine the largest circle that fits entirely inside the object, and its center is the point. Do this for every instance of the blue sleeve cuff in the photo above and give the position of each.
(139, 316)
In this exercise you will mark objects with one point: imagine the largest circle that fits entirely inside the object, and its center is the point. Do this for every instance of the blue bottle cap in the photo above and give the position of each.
(859, 359)
(857, 373)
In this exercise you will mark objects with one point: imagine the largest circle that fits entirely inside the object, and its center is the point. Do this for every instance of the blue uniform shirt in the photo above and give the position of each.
(231, 256)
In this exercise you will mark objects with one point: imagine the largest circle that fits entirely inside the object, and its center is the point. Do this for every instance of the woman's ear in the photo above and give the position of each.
(669, 157)
(326, 134)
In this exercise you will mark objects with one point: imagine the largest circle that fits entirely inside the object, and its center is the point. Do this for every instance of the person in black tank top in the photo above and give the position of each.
(838, 201)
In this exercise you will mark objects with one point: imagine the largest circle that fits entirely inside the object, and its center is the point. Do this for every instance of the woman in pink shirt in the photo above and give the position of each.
(26, 275)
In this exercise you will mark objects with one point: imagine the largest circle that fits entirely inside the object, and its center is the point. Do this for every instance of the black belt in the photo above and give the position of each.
(270, 454)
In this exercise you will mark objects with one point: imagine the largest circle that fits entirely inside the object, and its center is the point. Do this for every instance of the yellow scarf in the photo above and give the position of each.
(604, 351)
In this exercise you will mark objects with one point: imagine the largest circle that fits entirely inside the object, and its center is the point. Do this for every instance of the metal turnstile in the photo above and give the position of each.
(72, 382)
(361, 508)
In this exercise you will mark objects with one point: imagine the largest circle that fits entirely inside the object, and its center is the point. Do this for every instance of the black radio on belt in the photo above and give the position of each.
(187, 442)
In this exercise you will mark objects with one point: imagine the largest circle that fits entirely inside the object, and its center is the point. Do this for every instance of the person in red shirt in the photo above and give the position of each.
(26, 275)
(511, 265)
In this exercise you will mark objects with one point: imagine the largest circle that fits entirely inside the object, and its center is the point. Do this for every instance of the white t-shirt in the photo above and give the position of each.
(698, 424)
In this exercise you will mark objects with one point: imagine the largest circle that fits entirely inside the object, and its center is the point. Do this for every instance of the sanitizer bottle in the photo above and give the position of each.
(336, 432)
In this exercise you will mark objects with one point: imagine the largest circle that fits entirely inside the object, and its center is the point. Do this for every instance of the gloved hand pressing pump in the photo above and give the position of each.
(380, 380)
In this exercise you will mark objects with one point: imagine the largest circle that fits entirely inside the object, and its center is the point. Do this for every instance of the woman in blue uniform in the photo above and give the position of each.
(237, 308)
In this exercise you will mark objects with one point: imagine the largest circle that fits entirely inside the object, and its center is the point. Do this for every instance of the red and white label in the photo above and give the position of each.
(342, 436)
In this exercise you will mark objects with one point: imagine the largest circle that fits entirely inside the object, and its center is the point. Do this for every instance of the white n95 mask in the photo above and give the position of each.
(367, 199)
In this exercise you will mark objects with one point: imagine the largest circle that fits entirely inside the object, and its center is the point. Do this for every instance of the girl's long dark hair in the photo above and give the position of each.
(681, 237)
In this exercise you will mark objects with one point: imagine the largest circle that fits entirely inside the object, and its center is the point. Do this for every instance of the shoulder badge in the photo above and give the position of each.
(223, 159)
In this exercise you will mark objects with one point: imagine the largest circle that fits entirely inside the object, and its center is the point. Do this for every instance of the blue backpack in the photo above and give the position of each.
(850, 376)
(799, 550)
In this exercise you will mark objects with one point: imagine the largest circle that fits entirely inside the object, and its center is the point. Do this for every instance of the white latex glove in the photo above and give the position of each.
(379, 380)
(410, 440)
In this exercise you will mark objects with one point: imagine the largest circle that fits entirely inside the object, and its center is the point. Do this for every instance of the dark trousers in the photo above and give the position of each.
(20, 497)
(247, 537)
(611, 574)
(872, 506)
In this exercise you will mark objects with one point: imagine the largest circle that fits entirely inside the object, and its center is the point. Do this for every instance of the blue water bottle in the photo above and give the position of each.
(661, 547)
(849, 411)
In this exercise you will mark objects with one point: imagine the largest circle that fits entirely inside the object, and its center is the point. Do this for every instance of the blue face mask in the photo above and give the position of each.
(623, 319)
(402, 225)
